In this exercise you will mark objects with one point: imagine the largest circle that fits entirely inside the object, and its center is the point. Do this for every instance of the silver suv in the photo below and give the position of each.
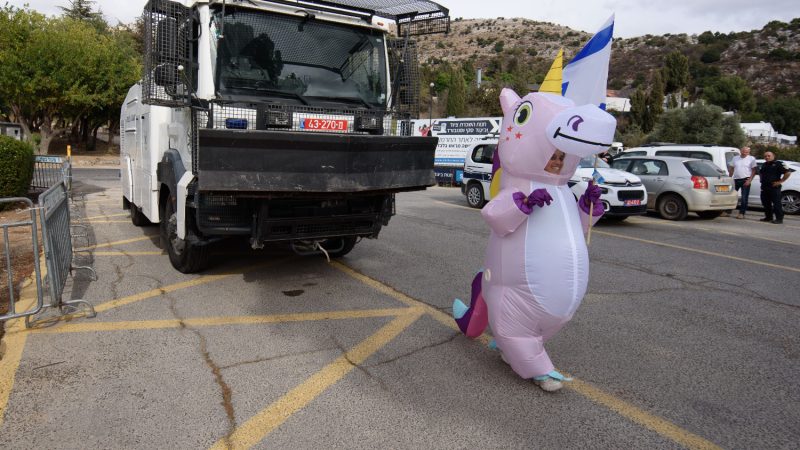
(677, 186)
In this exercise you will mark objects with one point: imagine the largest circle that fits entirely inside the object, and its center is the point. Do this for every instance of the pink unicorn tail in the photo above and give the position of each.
(472, 320)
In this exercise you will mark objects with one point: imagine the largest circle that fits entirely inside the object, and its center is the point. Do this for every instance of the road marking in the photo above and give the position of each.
(113, 244)
(710, 230)
(14, 344)
(160, 291)
(222, 321)
(456, 206)
(106, 216)
(647, 420)
(621, 407)
(263, 423)
(205, 279)
(694, 250)
(127, 253)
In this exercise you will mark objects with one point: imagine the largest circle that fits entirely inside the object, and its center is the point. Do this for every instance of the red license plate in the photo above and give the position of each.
(633, 202)
(325, 124)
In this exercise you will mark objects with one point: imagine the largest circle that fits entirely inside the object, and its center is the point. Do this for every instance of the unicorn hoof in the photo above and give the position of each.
(548, 384)
(459, 309)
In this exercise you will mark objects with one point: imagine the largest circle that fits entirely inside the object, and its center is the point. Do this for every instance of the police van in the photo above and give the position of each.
(623, 194)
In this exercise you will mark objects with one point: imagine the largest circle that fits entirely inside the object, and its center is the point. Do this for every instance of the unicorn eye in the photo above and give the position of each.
(523, 114)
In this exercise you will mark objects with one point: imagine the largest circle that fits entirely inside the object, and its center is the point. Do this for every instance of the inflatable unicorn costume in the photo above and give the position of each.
(537, 265)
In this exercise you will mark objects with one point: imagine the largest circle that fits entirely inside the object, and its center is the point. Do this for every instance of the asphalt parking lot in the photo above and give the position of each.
(687, 338)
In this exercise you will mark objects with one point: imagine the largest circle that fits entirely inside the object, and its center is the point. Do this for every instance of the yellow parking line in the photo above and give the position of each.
(632, 413)
(14, 343)
(205, 279)
(694, 250)
(113, 244)
(456, 206)
(127, 253)
(105, 216)
(647, 420)
(160, 291)
(88, 327)
(710, 230)
(259, 426)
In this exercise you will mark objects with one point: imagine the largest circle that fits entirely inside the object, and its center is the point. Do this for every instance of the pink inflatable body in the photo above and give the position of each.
(537, 266)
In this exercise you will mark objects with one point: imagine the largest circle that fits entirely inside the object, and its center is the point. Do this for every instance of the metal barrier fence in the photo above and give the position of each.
(49, 170)
(56, 231)
(12, 306)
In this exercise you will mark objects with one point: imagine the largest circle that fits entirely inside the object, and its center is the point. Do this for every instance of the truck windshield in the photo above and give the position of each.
(270, 55)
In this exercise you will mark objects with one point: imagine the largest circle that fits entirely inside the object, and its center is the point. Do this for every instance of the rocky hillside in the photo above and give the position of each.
(768, 59)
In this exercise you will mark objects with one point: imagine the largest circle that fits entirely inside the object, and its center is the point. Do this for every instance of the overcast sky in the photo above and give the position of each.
(633, 17)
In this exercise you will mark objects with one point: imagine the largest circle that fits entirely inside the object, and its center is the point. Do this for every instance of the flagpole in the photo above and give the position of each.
(591, 208)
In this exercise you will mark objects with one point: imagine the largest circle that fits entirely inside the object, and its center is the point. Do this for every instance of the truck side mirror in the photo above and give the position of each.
(166, 75)
(166, 41)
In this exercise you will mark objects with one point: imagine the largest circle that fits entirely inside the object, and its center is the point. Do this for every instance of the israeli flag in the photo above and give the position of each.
(598, 179)
(585, 78)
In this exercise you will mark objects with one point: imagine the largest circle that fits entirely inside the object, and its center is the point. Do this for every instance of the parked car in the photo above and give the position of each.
(622, 193)
(790, 192)
(677, 186)
(721, 156)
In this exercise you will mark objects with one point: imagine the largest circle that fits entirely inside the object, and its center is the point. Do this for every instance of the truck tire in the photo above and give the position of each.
(185, 255)
(475, 197)
(335, 243)
(672, 207)
(137, 217)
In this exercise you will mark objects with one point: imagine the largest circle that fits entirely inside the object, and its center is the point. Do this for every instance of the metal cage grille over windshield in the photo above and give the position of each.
(167, 67)
(281, 117)
(417, 17)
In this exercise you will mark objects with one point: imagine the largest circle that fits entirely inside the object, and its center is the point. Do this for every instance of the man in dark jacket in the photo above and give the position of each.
(772, 174)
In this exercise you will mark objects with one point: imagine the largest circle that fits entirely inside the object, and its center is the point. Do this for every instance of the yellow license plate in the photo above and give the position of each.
(723, 188)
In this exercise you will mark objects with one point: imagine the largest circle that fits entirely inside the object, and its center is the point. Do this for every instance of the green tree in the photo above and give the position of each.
(57, 71)
(84, 10)
(676, 75)
(782, 113)
(640, 115)
(698, 124)
(456, 96)
(676, 72)
(655, 99)
(731, 93)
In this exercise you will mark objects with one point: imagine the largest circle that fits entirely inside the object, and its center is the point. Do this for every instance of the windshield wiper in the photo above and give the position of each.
(277, 92)
(358, 100)
(284, 93)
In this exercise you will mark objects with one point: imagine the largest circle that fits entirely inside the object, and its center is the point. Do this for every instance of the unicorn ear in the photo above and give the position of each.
(508, 98)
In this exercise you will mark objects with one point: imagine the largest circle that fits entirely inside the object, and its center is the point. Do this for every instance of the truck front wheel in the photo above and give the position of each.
(186, 255)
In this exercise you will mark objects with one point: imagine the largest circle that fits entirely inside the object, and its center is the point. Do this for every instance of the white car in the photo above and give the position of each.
(622, 193)
(790, 191)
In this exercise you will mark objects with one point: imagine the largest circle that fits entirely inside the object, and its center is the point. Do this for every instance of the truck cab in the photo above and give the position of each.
(275, 120)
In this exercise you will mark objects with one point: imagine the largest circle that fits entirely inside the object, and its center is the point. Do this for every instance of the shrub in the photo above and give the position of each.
(16, 167)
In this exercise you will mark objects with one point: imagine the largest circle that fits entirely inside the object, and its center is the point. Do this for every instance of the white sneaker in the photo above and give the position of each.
(549, 384)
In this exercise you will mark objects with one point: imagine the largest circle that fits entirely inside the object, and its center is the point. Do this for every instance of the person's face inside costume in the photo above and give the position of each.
(556, 163)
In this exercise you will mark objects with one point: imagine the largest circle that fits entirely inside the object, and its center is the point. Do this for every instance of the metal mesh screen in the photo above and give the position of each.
(167, 68)
(404, 67)
(416, 17)
(279, 117)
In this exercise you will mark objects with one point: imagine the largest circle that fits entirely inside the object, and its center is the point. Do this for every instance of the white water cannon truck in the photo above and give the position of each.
(278, 120)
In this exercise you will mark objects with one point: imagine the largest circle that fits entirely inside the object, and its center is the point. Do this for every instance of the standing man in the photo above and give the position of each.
(743, 170)
(772, 174)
